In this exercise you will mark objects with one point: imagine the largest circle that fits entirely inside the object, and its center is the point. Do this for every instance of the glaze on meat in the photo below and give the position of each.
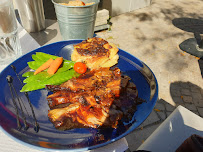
(87, 100)
(98, 98)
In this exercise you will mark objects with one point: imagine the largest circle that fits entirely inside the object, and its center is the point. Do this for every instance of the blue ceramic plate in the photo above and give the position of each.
(76, 139)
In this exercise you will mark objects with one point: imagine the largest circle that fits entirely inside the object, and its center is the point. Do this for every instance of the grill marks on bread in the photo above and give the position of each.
(95, 52)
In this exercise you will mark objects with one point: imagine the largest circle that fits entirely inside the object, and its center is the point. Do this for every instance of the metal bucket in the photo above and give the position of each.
(76, 22)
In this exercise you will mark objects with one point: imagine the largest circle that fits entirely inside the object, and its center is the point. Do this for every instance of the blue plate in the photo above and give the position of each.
(76, 139)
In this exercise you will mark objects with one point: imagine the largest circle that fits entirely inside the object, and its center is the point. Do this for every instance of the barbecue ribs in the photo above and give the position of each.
(86, 101)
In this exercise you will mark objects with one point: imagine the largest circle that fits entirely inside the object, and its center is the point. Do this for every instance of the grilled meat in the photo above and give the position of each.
(97, 87)
(98, 98)
(90, 97)
(79, 116)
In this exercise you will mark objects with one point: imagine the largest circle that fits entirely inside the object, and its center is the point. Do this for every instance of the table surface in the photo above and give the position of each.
(50, 35)
(29, 42)
(149, 34)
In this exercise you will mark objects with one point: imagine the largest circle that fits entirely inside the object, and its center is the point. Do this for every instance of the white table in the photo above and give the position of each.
(180, 125)
(9, 144)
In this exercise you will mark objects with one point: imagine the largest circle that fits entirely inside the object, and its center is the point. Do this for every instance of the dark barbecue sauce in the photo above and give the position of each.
(123, 106)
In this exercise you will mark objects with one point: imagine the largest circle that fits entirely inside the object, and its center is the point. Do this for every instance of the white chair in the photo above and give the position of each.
(180, 125)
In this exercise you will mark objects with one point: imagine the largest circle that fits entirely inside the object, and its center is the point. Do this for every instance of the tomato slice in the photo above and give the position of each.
(80, 67)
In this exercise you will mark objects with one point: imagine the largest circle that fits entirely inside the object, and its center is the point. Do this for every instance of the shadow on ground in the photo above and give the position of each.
(200, 61)
(193, 46)
(149, 21)
(48, 34)
(188, 95)
(157, 116)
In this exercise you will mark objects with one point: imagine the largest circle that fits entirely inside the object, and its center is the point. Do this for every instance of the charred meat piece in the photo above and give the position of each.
(79, 116)
(99, 86)
(98, 98)
(90, 97)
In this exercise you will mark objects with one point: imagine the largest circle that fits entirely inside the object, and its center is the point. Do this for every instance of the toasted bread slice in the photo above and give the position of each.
(95, 52)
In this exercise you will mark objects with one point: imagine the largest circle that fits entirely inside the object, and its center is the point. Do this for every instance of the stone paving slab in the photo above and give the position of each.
(149, 35)
(153, 117)
(138, 137)
(200, 110)
(161, 111)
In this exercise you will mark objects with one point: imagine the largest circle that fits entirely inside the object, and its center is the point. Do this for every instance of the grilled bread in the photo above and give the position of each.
(95, 52)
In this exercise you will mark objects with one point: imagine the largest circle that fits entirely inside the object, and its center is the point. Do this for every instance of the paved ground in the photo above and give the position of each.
(149, 34)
